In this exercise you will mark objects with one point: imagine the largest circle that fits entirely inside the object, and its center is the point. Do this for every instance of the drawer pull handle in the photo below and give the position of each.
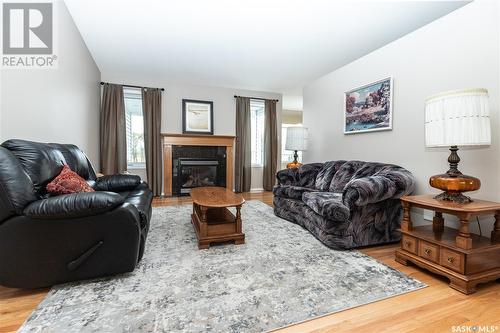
(427, 251)
(408, 244)
(451, 260)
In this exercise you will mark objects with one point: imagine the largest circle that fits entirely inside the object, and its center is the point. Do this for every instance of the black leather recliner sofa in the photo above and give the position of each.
(47, 240)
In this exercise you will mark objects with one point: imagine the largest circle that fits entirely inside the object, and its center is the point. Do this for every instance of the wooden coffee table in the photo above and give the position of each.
(211, 219)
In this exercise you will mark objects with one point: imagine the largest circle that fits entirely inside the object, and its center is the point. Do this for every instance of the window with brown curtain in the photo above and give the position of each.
(243, 153)
(151, 108)
(270, 145)
(113, 142)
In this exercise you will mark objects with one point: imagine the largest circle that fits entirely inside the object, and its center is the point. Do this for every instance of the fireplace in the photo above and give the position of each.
(196, 173)
(195, 166)
(198, 147)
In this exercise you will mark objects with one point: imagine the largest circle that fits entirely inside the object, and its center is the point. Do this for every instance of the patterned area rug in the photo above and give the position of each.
(281, 276)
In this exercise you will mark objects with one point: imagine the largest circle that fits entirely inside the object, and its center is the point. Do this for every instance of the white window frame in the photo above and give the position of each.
(133, 93)
(260, 103)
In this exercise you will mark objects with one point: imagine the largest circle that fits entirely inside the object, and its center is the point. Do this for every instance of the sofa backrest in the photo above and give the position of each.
(16, 188)
(334, 175)
(76, 160)
(326, 174)
(44, 161)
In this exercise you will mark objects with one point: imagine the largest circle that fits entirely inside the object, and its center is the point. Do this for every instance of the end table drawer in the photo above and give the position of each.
(409, 244)
(452, 260)
(428, 251)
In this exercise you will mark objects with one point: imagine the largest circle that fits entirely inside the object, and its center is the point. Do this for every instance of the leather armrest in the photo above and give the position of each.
(73, 205)
(117, 183)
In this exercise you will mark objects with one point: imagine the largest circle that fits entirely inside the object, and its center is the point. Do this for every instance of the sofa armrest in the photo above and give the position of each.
(117, 183)
(373, 189)
(303, 176)
(73, 205)
(367, 190)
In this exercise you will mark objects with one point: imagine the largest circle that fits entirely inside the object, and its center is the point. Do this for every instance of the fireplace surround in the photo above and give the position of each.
(204, 150)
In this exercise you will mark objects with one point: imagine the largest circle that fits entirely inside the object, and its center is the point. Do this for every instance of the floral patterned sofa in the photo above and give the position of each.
(345, 204)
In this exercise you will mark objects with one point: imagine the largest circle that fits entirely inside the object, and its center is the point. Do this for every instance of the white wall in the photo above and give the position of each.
(57, 105)
(457, 51)
(1, 105)
(223, 98)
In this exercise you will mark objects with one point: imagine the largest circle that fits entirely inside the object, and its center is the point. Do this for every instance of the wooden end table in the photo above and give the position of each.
(465, 259)
(211, 219)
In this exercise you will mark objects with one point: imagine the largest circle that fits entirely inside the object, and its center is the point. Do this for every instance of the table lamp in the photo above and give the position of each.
(296, 139)
(455, 119)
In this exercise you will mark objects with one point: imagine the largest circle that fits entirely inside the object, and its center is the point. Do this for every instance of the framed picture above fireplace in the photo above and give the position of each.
(197, 117)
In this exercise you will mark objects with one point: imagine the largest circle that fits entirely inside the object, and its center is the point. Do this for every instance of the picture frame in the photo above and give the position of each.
(197, 117)
(369, 108)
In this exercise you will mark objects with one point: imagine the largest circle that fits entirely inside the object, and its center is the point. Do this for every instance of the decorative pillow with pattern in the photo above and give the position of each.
(68, 182)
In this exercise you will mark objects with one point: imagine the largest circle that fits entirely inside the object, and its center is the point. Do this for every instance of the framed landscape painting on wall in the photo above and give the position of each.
(368, 108)
(197, 117)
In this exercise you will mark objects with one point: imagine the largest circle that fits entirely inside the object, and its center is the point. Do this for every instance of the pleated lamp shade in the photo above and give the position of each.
(296, 138)
(458, 118)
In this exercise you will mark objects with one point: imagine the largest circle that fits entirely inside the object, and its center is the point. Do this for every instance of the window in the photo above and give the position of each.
(287, 155)
(257, 124)
(136, 158)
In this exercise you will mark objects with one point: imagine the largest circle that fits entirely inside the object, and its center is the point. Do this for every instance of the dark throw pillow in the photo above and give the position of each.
(68, 182)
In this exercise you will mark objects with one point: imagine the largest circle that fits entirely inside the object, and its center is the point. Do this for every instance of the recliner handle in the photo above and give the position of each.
(73, 265)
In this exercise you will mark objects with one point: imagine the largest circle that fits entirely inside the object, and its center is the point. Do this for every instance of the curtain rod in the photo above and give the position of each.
(130, 86)
(263, 99)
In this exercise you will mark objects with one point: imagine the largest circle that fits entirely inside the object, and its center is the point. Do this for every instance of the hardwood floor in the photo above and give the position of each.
(434, 309)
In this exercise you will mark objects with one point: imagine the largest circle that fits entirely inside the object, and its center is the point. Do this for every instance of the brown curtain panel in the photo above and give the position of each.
(270, 145)
(151, 108)
(113, 142)
(243, 153)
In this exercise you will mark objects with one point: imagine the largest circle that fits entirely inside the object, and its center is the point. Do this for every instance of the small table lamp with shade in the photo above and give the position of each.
(457, 119)
(296, 140)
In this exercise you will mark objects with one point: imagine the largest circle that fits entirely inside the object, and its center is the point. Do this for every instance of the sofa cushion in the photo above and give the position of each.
(68, 182)
(354, 170)
(303, 176)
(326, 174)
(76, 159)
(40, 161)
(292, 192)
(327, 204)
(16, 188)
(344, 175)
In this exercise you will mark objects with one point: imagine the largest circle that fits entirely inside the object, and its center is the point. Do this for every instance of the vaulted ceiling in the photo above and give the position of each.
(271, 45)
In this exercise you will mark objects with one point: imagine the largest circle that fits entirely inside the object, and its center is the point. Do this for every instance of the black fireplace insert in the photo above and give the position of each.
(195, 166)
